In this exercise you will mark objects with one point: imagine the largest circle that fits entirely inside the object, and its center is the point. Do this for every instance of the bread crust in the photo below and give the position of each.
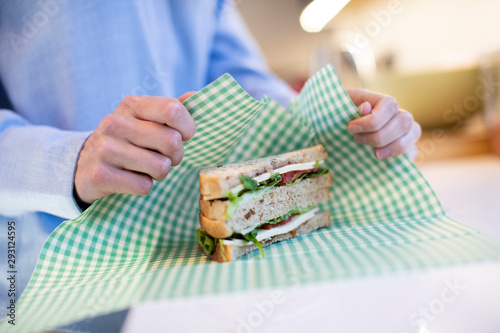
(218, 181)
(232, 253)
(215, 228)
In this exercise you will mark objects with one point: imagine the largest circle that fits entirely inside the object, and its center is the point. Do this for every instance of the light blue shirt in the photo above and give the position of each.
(65, 64)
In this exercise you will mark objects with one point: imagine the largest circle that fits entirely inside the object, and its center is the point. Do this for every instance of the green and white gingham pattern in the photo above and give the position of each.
(217, 132)
(126, 249)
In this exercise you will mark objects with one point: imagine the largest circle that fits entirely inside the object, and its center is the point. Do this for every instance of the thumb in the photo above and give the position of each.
(186, 96)
(365, 108)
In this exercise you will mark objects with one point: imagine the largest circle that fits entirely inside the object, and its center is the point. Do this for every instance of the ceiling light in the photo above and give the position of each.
(319, 12)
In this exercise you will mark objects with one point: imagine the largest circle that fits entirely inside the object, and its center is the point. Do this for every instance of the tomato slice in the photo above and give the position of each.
(291, 175)
(282, 223)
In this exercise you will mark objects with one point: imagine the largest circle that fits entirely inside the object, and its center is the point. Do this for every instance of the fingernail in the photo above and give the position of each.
(366, 109)
(382, 153)
(355, 129)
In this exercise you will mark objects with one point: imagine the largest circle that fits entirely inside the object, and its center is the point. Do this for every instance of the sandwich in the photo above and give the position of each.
(250, 205)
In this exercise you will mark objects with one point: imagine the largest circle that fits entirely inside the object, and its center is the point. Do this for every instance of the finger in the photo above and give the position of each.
(115, 180)
(129, 157)
(162, 110)
(397, 127)
(145, 134)
(382, 112)
(401, 145)
(186, 96)
(412, 153)
(154, 136)
(105, 180)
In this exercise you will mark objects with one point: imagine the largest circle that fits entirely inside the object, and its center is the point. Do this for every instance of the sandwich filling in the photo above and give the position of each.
(251, 189)
(254, 235)
(288, 173)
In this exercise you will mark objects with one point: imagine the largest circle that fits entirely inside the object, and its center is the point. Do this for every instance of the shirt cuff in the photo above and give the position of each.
(70, 206)
(40, 164)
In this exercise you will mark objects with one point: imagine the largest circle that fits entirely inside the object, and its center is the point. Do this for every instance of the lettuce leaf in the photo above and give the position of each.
(232, 197)
(295, 210)
(252, 237)
(207, 242)
(249, 183)
(273, 180)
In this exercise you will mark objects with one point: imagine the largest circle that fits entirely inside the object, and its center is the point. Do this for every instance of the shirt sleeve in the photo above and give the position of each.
(37, 167)
(236, 52)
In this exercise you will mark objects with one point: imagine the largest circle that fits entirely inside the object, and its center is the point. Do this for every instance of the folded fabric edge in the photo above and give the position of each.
(223, 80)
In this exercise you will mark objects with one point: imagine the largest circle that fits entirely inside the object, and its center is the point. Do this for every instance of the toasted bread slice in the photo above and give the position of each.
(232, 252)
(217, 182)
(276, 202)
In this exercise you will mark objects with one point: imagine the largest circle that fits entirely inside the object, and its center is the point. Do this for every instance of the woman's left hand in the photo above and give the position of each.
(384, 125)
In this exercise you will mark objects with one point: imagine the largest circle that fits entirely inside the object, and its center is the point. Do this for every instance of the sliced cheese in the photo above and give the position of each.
(265, 234)
(267, 175)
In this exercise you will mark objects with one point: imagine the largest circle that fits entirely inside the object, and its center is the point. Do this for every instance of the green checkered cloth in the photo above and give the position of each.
(126, 249)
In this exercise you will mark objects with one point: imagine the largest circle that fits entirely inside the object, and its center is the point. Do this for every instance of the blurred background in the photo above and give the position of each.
(440, 59)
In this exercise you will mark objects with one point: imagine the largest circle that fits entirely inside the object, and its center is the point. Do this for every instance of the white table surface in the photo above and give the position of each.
(463, 298)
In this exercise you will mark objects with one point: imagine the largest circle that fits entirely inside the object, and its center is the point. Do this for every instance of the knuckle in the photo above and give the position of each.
(104, 147)
(407, 120)
(163, 168)
(109, 123)
(174, 107)
(99, 175)
(397, 147)
(192, 131)
(129, 102)
(175, 140)
(377, 140)
(178, 156)
(418, 130)
(144, 186)
(373, 123)
(392, 103)
(412, 153)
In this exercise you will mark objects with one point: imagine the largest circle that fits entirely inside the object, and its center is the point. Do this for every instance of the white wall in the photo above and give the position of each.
(423, 35)
(428, 34)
